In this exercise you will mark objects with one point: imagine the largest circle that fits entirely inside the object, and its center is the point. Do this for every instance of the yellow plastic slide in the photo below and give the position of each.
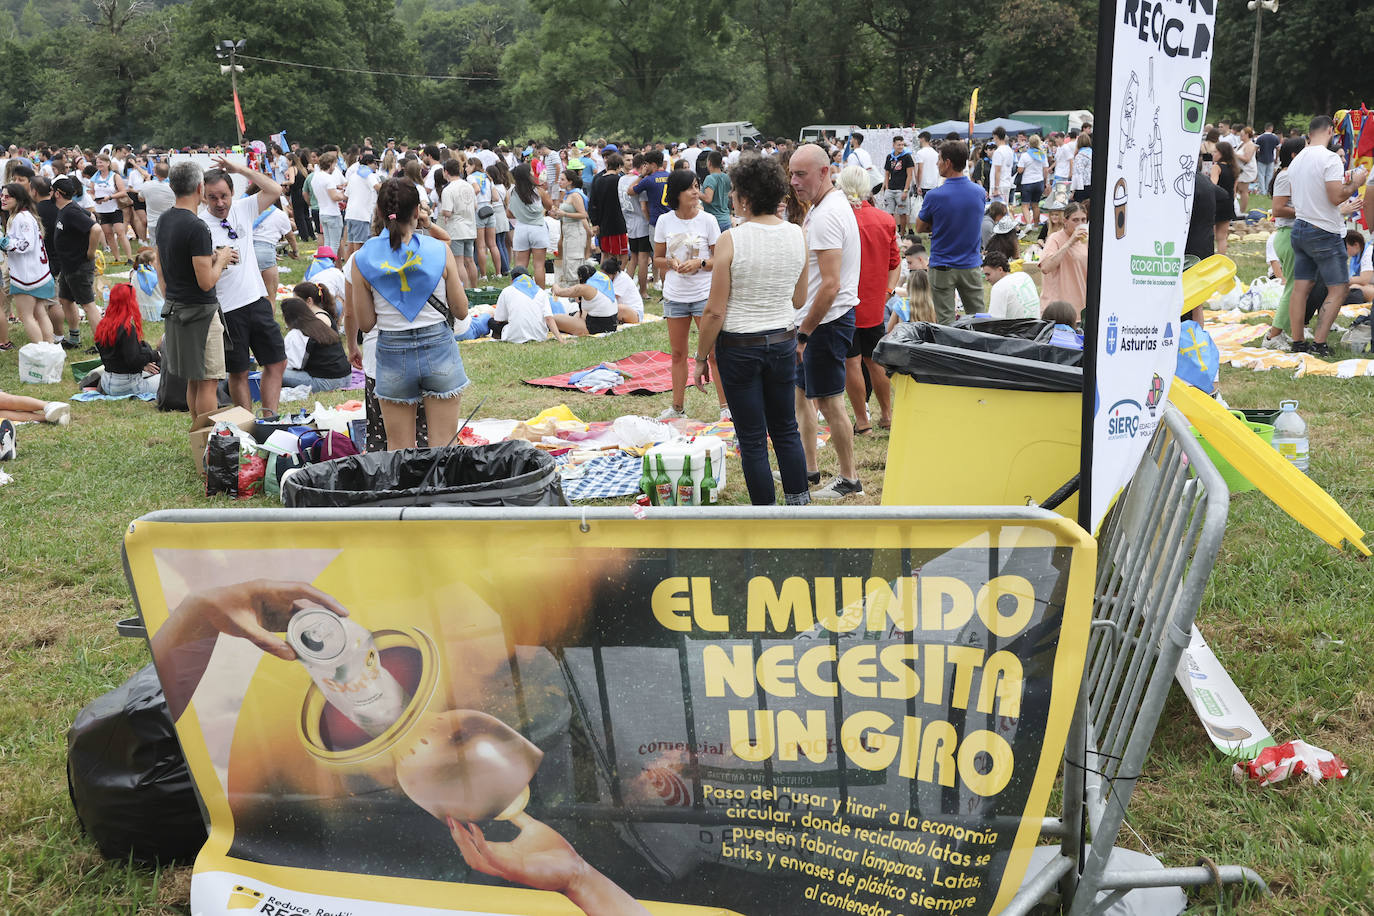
(1290, 489)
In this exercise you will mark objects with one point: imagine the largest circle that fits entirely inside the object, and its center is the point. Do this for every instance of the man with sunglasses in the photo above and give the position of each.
(246, 305)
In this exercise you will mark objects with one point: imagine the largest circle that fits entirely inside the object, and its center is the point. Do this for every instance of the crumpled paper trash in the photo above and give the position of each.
(1290, 759)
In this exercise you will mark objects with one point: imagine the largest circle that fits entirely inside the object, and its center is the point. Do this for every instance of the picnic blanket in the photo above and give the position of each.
(650, 372)
(90, 394)
(1240, 349)
(602, 478)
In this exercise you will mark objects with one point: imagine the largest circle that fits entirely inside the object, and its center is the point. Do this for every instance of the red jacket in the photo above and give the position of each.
(878, 256)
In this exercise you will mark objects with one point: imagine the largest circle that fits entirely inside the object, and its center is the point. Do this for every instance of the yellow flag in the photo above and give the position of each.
(972, 113)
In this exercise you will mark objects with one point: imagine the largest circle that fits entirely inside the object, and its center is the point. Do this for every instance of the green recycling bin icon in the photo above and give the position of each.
(1194, 98)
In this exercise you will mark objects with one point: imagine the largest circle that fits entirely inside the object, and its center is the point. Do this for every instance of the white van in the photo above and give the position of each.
(813, 132)
(730, 132)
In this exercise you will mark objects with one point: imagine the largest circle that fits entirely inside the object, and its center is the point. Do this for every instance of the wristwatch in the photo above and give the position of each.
(703, 263)
(802, 338)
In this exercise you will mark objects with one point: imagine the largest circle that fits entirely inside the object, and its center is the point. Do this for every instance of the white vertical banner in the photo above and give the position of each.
(1145, 153)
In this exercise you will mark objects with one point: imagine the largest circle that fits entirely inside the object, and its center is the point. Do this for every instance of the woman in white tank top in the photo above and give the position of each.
(748, 322)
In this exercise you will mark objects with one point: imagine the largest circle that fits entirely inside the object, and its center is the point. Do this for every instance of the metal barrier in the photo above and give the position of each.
(1155, 556)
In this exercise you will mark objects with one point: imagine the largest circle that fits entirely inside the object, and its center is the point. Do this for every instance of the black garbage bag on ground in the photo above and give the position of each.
(940, 355)
(1026, 328)
(510, 473)
(128, 779)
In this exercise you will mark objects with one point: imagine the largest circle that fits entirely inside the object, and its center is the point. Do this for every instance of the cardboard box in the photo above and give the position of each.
(204, 423)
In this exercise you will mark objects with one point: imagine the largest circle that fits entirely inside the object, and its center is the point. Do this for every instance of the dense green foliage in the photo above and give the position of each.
(91, 71)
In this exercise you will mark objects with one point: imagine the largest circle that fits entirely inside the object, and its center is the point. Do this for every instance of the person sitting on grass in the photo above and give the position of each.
(1065, 318)
(314, 353)
(916, 305)
(1361, 268)
(131, 366)
(22, 409)
(524, 312)
(627, 297)
(595, 295)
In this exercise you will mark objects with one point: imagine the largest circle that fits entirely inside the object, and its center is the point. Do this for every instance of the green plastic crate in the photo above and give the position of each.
(483, 295)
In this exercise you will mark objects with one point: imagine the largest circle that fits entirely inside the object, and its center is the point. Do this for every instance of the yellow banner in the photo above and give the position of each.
(835, 714)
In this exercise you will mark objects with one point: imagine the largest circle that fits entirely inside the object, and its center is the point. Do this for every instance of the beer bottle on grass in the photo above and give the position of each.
(685, 487)
(663, 486)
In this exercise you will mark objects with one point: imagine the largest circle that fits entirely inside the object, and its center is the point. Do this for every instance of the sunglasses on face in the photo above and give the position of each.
(224, 224)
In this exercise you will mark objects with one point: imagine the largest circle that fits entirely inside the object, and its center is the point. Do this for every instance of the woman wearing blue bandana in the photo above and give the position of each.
(399, 277)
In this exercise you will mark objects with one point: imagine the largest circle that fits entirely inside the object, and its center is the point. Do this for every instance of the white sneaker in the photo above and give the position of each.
(725, 414)
(839, 488)
(1281, 342)
(673, 413)
(9, 449)
(57, 412)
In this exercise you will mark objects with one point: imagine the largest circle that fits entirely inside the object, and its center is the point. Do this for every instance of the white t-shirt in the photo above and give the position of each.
(1282, 187)
(159, 198)
(860, 158)
(831, 224)
(481, 187)
(241, 283)
(487, 158)
(1311, 170)
(526, 315)
(1004, 157)
(322, 182)
(687, 240)
(458, 210)
(929, 161)
(690, 154)
(1063, 157)
(1270, 252)
(1082, 169)
(1366, 261)
(636, 225)
(332, 279)
(429, 181)
(627, 291)
(273, 227)
(1014, 296)
(362, 184)
(103, 189)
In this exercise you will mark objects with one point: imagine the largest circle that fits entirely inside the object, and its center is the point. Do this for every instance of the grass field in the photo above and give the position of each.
(1285, 613)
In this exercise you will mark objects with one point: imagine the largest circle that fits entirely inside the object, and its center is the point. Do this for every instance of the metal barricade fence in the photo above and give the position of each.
(1155, 556)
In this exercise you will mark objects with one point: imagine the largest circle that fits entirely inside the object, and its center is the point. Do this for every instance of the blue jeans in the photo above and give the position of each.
(758, 384)
(1265, 180)
(119, 384)
(331, 231)
(292, 378)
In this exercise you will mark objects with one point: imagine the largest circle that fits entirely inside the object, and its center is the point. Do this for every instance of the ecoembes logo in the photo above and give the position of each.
(243, 898)
(1162, 265)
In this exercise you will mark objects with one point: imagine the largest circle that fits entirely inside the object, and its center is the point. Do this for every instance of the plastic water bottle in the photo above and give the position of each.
(1290, 435)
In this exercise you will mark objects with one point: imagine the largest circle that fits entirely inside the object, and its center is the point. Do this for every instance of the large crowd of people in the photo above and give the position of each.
(791, 261)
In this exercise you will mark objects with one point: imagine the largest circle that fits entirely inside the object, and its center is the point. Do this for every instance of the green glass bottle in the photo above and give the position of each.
(646, 482)
(686, 489)
(663, 485)
(708, 492)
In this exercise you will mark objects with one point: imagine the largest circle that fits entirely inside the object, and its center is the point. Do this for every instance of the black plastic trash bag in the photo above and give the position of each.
(510, 473)
(1026, 328)
(939, 355)
(128, 779)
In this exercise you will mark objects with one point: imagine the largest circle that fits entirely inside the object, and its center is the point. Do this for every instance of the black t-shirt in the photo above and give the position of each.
(47, 215)
(603, 204)
(897, 168)
(182, 236)
(1267, 143)
(326, 360)
(71, 237)
(1201, 235)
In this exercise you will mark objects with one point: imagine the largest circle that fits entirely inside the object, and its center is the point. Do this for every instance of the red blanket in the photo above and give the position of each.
(650, 372)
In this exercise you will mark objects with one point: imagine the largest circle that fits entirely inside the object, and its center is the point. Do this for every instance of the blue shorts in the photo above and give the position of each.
(1318, 254)
(683, 309)
(821, 374)
(419, 363)
(359, 230)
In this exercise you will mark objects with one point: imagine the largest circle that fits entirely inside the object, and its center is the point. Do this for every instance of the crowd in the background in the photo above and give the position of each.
(792, 261)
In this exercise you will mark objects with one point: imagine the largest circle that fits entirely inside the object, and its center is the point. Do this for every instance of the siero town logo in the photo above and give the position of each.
(1111, 335)
(1123, 419)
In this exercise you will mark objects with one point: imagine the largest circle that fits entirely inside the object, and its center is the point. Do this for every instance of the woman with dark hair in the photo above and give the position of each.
(30, 278)
(108, 190)
(747, 327)
(574, 237)
(595, 295)
(500, 190)
(1224, 171)
(314, 353)
(300, 206)
(131, 366)
(526, 207)
(406, 284)
(684, 242)
(319, 298)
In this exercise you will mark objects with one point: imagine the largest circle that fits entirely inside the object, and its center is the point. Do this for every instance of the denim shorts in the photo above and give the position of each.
(1319, 254)
(822, 368)
(419, 363)
(266, 254)
(463, 248)
(528, 237)
(359, 230)
(683, 309)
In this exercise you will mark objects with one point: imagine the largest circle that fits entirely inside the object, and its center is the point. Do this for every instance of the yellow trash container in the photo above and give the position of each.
(978, 419)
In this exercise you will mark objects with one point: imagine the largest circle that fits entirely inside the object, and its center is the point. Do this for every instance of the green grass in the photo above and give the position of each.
(1285, 613)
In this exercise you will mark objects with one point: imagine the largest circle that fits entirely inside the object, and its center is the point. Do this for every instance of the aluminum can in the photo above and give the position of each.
(343, 660)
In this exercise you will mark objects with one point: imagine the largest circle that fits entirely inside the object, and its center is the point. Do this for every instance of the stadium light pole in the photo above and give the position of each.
(226, 50)
(1259, 6)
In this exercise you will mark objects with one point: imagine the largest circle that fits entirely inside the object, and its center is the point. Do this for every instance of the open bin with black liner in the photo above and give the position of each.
(501, 474)
(979, 419)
